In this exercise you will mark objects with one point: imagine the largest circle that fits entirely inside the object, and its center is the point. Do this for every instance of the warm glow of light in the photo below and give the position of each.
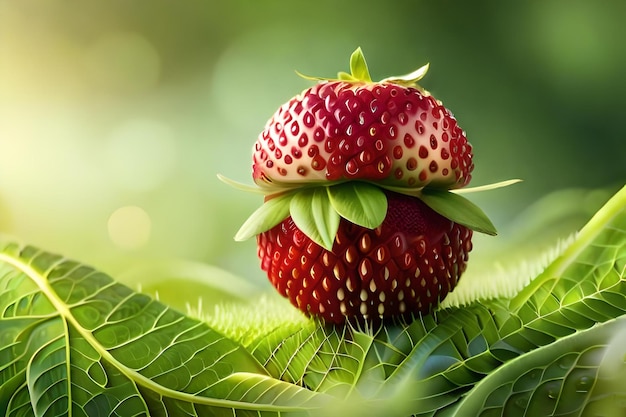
(129, 227)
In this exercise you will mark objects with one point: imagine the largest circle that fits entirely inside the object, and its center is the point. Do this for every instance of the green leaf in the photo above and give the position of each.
(75, 342)
(599, 243)
(243, 187)
(486, 187)
(410, 79)
(359, 202)
(265, 217)
(431, 364)
(458, 209)
(310, 77)
(581, 374)
(71, 338)
(358, 70)
(312, 212)
(358, 66)
(319, 349)
(344, 76)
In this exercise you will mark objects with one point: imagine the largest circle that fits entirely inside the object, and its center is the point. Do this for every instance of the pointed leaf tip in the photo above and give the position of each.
(487, 187)
(312, 212)
(359, 202)
(458, 209)
(241, 186)
(358, 66)
(411, 79)
(265, 217)
(309, 77)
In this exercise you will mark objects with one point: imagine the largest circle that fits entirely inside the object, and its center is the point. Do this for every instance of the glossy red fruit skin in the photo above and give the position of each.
(381, 132)
(405, 266)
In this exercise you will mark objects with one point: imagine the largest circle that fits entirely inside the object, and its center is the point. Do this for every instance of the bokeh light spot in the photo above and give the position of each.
(129, 227)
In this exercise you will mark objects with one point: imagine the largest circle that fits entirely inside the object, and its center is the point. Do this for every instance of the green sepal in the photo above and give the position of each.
(417, 191)
(311, 77)
(312, 212)
(458, 209)
(243, 187)
(359, 73)
(359, 202)
(344, 76)
(265, 217)
(358, 66)
(410, 79)
(487, 187)
(317, 210)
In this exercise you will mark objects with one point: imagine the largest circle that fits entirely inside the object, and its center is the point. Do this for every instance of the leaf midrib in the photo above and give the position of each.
(134, 376)
(585, 237)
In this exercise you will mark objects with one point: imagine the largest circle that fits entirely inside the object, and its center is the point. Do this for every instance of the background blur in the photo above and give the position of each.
(116, 116)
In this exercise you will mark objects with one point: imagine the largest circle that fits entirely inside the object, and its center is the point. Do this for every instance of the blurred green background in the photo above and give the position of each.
(116, 116)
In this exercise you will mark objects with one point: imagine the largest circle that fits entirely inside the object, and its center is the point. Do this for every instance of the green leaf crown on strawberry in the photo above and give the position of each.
(362, 216)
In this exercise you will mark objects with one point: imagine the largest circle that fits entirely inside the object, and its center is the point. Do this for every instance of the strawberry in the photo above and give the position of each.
(360, 130)
(359, 221)
(406, 265)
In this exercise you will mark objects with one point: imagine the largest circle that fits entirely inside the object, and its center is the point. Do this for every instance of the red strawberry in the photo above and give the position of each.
(382, 132)
(406, 265)
(358, 222)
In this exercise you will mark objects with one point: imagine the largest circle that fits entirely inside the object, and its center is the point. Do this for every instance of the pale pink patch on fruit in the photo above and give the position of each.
(379, 132)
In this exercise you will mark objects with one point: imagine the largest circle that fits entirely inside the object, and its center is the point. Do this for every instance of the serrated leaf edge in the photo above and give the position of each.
(612, 208)
(534, 358)
(135, 376)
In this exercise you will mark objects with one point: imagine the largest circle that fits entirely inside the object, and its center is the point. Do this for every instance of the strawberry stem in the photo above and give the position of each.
(359, 73)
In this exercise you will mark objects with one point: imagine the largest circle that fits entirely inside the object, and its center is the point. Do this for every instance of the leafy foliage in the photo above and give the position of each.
(73, 339)
(317, 209)
(457, 208)
(361, 203)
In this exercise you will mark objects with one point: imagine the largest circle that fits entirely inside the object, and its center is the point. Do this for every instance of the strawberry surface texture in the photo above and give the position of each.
(382, 132)
(405, 266)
